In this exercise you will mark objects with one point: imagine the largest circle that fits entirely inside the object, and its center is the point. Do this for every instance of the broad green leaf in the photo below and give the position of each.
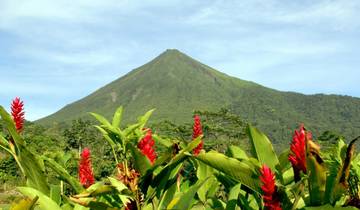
(172, 168)
(216, 203)
(205, 172)
(130, 129)
(10, 125)
(166, 175)
(163, 141)
(44, 202)
(317, 176)
(329, 207)
(236, 152)
(101, 119)
(141, 162)
(63, 174)
(144, 119)
(234, 168)
(247, 203)
(55, 193)
(24, 204)
(232, 198)
(284, 162)
(106, 136)
(288, 176)
(117, 117)
(262, 148)
(34, 170)
(189, 148)
(185, 199)
(167, 196)
(5, 145)
(79, 207)
(67, 206)
(99, 188)
(106, 124)
(339, 187)
(120, 187)
(227, 181)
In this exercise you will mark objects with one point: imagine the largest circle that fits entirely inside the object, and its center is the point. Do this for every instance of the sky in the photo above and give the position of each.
(53, 53)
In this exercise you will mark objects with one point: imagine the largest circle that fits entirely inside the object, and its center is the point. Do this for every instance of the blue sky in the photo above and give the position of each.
(55, 52)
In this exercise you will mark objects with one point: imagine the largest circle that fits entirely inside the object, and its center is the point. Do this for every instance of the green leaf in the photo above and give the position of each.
(63, 174)
(163, 141)
(236, 152)
(184, 201)
(317, 177)
(119, 186)
(337, 187)
(234, 168)
(45, 203)
(204, 172)
(233, 196)
(29, 163)
(10, 125)
(172, 168)
(101, 119)
(284, 162)
(117, 117)
(79, 207)
(5, 145)
(34, 170)
(143, 119)
(167, 196)
(122, 189)
(329, 207)
(55, 193)
(141, 162)
(166, 175)
(24, 204)
(106, 136)
(262, 148)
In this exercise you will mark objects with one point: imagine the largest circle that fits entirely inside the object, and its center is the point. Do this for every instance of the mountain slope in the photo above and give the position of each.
(175, 84)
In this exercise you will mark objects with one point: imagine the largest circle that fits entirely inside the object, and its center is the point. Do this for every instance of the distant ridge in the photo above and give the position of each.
(176, 84)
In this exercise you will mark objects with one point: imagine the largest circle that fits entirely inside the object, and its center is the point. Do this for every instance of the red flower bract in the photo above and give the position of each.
(146, 145)
(197, 131)
(17, 112)
(86, 175)
(297, 156)
(268, 187)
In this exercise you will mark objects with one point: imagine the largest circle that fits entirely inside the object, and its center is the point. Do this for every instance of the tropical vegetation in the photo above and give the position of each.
(154, 172)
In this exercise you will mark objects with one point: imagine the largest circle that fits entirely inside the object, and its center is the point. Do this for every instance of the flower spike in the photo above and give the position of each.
(17, 112)
(86, 175)
(146, 145)
(297, 156)
(197, 131)
(268, 187)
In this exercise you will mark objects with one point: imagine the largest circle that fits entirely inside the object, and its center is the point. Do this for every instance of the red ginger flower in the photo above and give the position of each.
(197, 131)
(297, 157)
(268, 187)
(146, 145)
(17, 112)
(86, 175)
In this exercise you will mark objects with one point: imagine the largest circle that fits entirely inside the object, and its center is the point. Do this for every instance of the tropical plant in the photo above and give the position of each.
(182, 175)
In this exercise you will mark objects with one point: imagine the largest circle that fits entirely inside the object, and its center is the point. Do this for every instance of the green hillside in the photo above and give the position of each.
(175, 84)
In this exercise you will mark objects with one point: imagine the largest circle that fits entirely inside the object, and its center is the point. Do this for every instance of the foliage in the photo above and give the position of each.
(178, 178)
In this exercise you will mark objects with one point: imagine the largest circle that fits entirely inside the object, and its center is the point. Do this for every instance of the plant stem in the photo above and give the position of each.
(298, 195)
